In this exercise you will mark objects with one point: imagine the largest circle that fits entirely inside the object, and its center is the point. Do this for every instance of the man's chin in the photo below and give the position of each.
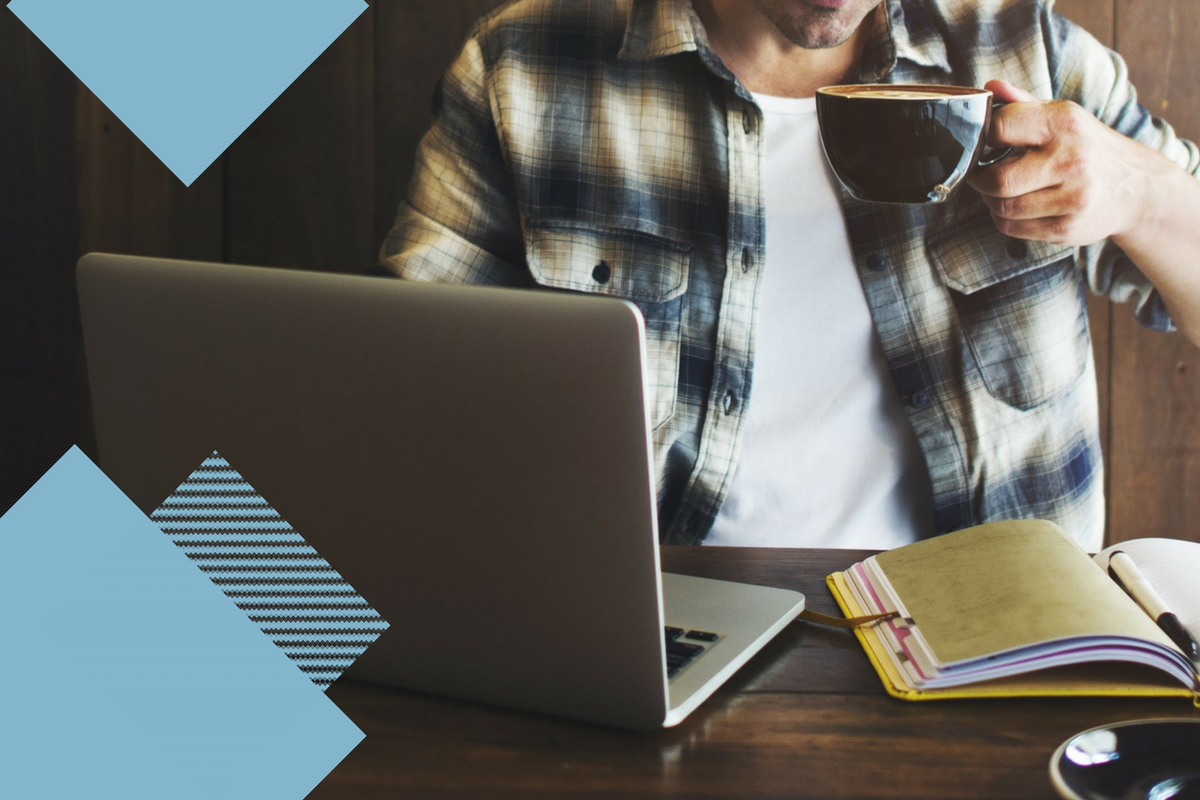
(815, 28)
(815, 24)
(819, 37)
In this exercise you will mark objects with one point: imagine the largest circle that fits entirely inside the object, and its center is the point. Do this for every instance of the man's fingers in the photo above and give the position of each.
(1050, 202)
(1028, 124)
(1014, 176)
(1056, 230)
(1022, 125)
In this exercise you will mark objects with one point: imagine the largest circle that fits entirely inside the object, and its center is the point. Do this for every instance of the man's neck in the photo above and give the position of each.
(763, 59)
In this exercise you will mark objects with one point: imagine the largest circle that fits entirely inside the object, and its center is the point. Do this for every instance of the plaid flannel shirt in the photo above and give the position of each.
(601, 146)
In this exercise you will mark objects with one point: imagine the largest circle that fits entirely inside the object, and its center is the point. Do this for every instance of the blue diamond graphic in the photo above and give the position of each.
(187, 77)
(261, 563)
(128, 674)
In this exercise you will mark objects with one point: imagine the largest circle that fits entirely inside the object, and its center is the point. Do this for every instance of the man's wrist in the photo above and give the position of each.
(1150, 187)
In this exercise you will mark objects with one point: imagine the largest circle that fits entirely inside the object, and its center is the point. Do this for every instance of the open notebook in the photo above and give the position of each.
(1017, 608)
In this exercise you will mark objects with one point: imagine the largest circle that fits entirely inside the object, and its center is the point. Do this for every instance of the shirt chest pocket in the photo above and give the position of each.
(1021, 306)
(647, 270)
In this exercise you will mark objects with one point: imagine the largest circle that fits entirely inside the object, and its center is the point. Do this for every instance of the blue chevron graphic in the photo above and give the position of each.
(127, 675)
(187, 78)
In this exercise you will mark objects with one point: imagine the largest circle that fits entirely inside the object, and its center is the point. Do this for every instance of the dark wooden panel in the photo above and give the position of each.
(1100, 321)
(1155, 439)
(131, 203)
(40, 352)
(415, 42)
(1097, 17)
(301, 178)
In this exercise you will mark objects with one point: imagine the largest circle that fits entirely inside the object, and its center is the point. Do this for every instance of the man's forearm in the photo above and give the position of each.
(1164, 241)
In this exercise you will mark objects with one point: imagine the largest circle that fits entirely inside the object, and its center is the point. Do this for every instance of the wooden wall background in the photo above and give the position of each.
(313, 183)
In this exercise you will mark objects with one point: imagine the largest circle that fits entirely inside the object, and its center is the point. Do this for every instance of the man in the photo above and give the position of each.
(825, 372)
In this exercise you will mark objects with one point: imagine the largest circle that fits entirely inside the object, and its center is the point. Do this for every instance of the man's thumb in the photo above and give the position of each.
(1003, 90)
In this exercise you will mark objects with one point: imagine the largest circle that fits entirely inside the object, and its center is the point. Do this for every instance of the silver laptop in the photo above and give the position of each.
(475, 462)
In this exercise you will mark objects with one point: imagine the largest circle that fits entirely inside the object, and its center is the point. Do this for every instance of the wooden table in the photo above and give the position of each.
(807, 717)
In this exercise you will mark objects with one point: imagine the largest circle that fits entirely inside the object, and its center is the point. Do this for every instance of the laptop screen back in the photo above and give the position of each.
(475, 462)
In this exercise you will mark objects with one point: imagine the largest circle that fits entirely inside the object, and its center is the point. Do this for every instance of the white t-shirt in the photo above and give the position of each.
(828, 458)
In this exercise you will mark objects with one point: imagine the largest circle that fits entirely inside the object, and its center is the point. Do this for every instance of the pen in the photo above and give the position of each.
(1127, 573)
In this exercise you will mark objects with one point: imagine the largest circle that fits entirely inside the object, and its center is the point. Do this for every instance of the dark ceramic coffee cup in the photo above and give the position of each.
(905, 143)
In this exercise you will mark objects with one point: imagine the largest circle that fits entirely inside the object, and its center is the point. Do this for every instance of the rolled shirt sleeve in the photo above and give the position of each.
(459, 222)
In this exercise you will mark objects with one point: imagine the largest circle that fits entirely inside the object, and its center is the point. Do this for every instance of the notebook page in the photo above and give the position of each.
(1005, 585)
(1173, 567)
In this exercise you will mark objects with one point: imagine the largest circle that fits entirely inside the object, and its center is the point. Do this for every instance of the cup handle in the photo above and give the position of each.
(998, 154)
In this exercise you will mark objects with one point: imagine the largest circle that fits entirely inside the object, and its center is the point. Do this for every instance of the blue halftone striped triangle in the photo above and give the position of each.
(286, 588)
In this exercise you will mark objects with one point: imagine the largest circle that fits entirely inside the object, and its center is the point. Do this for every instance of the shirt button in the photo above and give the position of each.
(877, 263)
(730, 402)
(601, 272)
(747, 122)
(920, 399)
(747, 259)
(1017, 248)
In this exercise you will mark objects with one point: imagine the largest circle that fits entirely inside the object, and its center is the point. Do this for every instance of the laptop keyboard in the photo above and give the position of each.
(685, 646)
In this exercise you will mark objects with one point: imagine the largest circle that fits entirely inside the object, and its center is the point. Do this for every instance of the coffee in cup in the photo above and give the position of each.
(905, 143)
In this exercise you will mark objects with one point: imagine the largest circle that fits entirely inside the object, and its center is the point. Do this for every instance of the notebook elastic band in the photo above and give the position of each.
(847, 622)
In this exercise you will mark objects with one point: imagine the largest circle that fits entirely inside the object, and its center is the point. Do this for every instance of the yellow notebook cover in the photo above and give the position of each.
(1090, 679)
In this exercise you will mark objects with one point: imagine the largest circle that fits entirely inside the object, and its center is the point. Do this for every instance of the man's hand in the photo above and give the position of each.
(1077, 181)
